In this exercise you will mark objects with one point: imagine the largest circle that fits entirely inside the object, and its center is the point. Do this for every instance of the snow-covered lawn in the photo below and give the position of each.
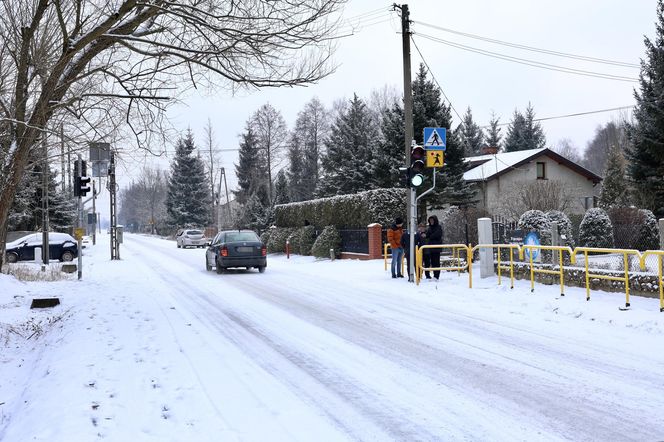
(154, 348)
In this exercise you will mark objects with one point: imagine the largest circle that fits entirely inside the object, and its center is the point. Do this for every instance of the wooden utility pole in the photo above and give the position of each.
(408, 129)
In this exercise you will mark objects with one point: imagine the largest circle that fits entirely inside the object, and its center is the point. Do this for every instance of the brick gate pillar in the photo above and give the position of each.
(375, 241)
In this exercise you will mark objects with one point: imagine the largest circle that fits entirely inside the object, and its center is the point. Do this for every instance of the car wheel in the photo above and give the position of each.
(67, 256)
(178, 245)
(261, 269)
(11, 257)
(208, 267)
(220, 269)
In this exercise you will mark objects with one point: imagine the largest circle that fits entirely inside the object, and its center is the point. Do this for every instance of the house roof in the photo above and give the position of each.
(487, 167)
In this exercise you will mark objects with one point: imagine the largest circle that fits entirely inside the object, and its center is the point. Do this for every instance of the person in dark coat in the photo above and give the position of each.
(434, 236)
(405, 244)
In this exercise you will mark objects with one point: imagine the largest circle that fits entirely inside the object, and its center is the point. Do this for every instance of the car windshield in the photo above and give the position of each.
(194, 232)
(241, 236)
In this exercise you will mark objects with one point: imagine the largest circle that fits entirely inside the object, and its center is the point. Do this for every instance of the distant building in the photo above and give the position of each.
(510, 182)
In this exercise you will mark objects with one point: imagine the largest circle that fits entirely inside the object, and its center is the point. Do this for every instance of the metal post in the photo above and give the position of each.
(555, 241)
(413, 227)
(45, 223)
(79, 224)
(94, 213)
(115, 247)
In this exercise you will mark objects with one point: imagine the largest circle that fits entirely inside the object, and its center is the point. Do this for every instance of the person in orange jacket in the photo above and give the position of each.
(394, 234)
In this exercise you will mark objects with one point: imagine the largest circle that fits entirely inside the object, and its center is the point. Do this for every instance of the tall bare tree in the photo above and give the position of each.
(97, 60)
(212, 160)
(271, 133)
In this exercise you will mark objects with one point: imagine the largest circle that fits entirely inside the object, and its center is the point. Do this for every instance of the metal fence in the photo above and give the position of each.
(354, 241)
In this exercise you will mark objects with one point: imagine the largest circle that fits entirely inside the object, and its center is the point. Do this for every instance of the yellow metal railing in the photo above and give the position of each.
(624, 279)
(660, 280)
(560, 272)
(419, 267)
(500, 267)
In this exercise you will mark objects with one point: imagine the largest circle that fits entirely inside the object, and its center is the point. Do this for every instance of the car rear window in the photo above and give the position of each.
(194, 232)
(241, 236)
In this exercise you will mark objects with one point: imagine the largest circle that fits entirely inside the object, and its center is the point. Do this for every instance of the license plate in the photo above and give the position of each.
(244, 249)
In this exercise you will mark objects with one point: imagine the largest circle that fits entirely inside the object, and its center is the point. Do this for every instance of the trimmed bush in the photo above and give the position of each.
(328, 239)
(307, 239)
(596, 229)
(345, 211)
(265, 236)
(277, 241)
(648, 232)
(536, 221)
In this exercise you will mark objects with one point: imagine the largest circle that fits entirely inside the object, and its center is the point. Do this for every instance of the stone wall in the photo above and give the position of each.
(639, 283)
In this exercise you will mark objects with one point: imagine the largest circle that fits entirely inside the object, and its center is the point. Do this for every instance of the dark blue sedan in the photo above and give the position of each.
(61, 246)
(236, 248)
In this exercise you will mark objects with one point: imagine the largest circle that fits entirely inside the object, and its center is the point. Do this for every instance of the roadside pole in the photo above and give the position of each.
(79, 204)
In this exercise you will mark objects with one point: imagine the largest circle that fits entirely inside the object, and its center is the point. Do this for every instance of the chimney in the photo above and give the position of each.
(489, 150)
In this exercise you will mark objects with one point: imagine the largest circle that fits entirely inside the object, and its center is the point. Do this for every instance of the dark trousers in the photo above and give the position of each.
(432, 259)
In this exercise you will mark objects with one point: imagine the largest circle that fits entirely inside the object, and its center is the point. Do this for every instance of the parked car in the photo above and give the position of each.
(61, 246)
(190, 238)
(236, 248)
(86, 241)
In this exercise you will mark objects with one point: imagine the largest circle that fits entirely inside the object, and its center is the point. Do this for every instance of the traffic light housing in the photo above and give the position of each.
(84, 185)
(81, 181)
(417, 165)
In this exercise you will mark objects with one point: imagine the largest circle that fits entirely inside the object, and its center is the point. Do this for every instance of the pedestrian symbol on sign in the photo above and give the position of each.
(435, 158)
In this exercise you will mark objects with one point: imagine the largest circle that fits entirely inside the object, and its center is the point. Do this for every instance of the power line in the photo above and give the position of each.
(532, 48)
(528, 62)
(434, 77)
(577, 114)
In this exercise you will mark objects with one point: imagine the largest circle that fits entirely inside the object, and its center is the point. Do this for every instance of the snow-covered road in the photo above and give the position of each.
(320, 350)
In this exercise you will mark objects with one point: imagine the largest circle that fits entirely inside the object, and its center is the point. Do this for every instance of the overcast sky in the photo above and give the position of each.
(371, 58)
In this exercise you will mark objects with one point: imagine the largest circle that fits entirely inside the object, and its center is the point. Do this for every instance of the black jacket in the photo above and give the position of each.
(405, 240)
(434, 232)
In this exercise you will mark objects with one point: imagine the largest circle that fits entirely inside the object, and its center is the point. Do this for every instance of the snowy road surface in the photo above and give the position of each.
(153, 347)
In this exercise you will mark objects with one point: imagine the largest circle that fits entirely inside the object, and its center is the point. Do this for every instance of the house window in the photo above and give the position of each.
(541, 171)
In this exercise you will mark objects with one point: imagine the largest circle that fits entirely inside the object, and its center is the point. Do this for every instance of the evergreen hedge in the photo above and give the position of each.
(302, 240)
(328, 239)
(345, 211)
(277, 241)
(596, 229)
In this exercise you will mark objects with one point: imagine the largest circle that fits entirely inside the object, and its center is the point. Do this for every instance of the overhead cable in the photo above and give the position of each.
(532, 48)
(528, 62)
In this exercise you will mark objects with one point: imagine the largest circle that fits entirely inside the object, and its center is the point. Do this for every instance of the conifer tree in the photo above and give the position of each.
(471, 135)
(493, 137)
(646, 166)
(524, 133)
(295, 175)
(312, 128)
(188, 200)
(430, 111)
(281, 194)
(26, 211)
(614, 187)
(269, 127)
(392, 155)
(250, 169)
(348, 166)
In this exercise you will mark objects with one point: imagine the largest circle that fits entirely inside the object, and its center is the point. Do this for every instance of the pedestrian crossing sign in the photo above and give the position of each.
(435, 138)
(435, 158)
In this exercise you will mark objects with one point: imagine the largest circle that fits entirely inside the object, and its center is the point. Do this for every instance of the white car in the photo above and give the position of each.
(190, 238)
(86, 241)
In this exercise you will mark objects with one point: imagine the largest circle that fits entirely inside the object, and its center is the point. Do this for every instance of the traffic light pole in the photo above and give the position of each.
(79, 224)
